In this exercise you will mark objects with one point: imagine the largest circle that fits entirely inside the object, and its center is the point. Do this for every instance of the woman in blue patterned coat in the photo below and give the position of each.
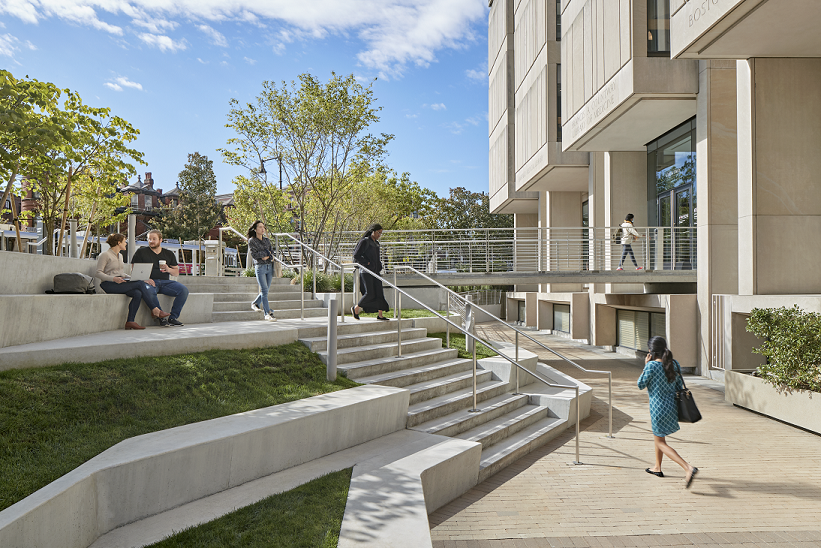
(662, 378)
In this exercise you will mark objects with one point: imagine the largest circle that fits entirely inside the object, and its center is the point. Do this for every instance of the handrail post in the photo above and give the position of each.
(517, 361)
(399, 327)
(447, 315)
(313, 277)
(610, 398)
(301, 285)
(578, 408)
(342, 289)
(332, 354)
(395, 292)
(475, 365)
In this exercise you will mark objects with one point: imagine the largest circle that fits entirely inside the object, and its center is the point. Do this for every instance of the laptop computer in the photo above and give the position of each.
(140, 271)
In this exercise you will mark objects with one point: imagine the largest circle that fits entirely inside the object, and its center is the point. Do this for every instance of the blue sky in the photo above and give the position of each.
(170, 66)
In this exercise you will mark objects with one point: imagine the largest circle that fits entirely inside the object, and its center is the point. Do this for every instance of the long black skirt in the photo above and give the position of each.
(373, 298)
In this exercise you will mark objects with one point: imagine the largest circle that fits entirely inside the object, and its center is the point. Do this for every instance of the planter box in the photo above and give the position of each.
(800, 408)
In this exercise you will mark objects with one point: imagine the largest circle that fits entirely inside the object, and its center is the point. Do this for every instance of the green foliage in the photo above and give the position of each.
(457, 341)
(407, 313)
(325, 283)
(792, 347)
(306, 517)
(198, 211)
(464, 209)
(56, 418)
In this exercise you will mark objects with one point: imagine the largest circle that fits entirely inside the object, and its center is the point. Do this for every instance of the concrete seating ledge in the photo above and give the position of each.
(150, 474)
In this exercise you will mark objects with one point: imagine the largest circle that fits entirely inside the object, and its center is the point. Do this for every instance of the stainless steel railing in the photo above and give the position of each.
(452, 295)
(476, 339)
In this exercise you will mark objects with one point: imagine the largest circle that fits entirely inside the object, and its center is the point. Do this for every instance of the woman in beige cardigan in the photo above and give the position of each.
(111, 271)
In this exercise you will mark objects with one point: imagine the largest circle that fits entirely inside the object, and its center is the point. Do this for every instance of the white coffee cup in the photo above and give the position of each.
(162, 264)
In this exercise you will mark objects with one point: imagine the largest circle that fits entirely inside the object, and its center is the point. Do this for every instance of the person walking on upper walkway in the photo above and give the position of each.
(628, 236)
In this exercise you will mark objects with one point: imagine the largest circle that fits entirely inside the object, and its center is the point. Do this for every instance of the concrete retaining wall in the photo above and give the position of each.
(800, 407)
(28, 274)
(152, 473)
(37, 318)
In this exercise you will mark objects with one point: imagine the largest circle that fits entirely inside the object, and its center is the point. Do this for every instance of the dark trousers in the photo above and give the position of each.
(166, 287)
(132, 289)
(373, 298)
(627, 248)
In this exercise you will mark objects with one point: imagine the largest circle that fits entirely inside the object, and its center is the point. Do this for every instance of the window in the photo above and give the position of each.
(558, 20)
(658, 28)
(635, 328)
(135, 201)
(561, 318)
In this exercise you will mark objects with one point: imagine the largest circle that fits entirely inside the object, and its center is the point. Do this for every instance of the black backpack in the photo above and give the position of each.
(617, 235)
(73, 282)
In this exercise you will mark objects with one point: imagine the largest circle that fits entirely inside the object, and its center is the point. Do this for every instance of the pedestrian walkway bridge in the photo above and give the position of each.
(506, 256)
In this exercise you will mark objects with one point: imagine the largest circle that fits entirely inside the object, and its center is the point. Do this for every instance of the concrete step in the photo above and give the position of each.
(407, 377)
(450, 403)
(519, 444)
(250, 315)
(350, 325)
(242, 306)
(376, 366)
(350, 340)
(462, 420)
(278, 295)
(434, 388)
(494, 431)
(228, 280)
(383, 350)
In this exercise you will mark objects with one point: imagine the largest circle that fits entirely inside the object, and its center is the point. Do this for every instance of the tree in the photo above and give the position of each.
(198, 211)
(30, 124)
(319, 134)
(464, 209)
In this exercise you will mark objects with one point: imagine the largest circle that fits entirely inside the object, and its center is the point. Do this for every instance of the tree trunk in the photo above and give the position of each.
(65, 211)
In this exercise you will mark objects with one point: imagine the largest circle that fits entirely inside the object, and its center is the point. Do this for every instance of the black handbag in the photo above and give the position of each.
(687, 409)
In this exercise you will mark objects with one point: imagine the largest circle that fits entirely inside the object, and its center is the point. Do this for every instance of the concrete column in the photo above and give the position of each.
(526, 246)
(72, 238)
(563, 209)
(717, 194)
(779, 206)
(132, 236)
(625, 191)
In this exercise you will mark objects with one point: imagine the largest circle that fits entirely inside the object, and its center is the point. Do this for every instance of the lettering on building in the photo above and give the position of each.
(597, 107)
(701, 9)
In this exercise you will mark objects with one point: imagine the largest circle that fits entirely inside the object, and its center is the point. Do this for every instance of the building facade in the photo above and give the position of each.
(699, 117)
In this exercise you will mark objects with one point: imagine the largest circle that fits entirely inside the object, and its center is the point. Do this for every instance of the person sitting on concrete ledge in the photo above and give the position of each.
(165, 266)
(110, 270)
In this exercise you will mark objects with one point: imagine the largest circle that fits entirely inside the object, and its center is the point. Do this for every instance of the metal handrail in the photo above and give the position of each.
(518, 331)
(475, 338)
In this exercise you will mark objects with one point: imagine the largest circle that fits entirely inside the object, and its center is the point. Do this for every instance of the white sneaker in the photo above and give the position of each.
(270, 318)
(255, 308)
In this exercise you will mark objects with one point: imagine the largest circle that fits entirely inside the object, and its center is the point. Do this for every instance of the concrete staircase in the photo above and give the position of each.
(508, 425)
(233, 297)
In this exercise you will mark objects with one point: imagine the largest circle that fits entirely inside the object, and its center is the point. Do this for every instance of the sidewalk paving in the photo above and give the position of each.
(759, 481)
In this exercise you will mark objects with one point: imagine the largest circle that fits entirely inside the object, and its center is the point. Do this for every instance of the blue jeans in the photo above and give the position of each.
(265, 273)
(627, 249)
(135, 290)
(166, 287)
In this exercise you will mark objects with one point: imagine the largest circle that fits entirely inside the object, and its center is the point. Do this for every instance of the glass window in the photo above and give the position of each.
(658, 28)
(558, 20)
(135, 201)
(561, 318)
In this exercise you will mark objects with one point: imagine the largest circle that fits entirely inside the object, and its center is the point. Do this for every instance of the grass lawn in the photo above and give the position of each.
(56, 418)
(306, 517)
(457, 341)
(407, 313)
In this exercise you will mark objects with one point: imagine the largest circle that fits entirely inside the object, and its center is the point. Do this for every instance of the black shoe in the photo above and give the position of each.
(163, 322)
(353, 311)
(659, 474)
(383, 318)
(175, 322)
(690, 479)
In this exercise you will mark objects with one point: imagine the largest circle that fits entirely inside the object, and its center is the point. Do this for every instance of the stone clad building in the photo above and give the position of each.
(700, 117)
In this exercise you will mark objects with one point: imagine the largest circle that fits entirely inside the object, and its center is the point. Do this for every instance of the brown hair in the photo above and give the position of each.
(155, 231)
(114, 239)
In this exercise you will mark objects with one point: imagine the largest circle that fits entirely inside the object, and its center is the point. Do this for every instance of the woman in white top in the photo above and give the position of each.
(111, 271)
(628, 236)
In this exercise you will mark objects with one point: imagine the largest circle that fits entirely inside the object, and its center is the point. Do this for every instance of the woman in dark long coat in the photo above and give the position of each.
(367, 254)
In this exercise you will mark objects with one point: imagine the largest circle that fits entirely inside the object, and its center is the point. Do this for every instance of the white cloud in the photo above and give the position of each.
(438, 106)
(164, 43)
(120, 82)
(411, 116)
(478, 75)
(29, 45)
(454, 127)
(113, 86)
(396, 33)
(250, 61)
(8, 45)
(216, 37)
(201, 61)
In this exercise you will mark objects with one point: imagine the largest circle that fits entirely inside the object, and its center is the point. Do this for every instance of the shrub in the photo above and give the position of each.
(792, 347)
(325, 283)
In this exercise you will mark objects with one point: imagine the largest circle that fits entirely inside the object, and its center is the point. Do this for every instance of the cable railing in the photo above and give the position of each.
(453, 295)
(399, 293)
(536, 249)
